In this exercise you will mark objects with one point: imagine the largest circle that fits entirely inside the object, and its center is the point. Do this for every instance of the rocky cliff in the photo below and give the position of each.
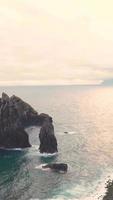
(15, 115)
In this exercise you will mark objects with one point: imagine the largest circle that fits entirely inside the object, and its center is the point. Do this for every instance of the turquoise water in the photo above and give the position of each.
(86, 113)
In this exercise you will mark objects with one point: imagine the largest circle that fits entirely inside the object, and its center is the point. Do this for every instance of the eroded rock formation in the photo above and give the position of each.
(48, 142)
(15, 115)
(14, 138)
(15, 112)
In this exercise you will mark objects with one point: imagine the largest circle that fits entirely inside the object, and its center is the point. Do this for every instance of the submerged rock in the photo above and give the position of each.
(57, 167)
(48, 142)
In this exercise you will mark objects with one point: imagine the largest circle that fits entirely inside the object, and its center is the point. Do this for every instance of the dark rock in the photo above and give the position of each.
(109, 191)
(42, 117)
(5, 97)
(14, 139)
(15, 115)
(66, 132)
(48, 142)
(15, 111)
(25, 112)
(57, 167)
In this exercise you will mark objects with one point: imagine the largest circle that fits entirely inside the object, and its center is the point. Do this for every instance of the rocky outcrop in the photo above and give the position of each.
(42, 118)
(109, 191)
(56, 167)
(15, 115)
(15, 112)
(14, 138)
(48, 142)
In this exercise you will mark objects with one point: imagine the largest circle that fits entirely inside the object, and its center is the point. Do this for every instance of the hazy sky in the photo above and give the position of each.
(56, 41)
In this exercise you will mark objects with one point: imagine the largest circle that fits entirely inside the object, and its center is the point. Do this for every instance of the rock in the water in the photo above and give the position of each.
(66, 132)
(57, 167)
(48, 142)
(15, 115)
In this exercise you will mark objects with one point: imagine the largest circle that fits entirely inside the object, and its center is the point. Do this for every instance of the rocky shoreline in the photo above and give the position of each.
(109, 192)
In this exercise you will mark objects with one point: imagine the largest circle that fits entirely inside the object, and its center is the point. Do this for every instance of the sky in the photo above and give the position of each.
(50, 42)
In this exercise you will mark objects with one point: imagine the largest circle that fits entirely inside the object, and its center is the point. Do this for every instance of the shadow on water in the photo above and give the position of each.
(10, 159)
(14, 175)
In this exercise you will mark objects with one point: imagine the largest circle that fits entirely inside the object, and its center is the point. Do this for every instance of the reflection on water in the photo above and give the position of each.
(86, 113)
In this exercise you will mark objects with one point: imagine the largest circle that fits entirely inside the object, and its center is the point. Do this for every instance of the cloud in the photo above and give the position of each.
(68, 42)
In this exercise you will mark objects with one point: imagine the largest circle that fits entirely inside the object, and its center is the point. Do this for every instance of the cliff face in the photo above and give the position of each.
(14, 138)
(15, 114)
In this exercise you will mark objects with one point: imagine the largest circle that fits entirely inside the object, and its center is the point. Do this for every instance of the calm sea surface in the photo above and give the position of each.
(86, 113)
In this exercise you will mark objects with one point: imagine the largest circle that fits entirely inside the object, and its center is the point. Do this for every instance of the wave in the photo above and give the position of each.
(41, 167)
(46, 155)
(97, 193)
(66, 133)
(35, 147)
(34, 150)
(12, 149)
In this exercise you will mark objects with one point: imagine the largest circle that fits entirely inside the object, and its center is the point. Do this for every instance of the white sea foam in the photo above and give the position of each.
(71, 132)
(12, 149)
(48, 154)
(41, 167)
(34, 150)
(36, 147)
(97, 194)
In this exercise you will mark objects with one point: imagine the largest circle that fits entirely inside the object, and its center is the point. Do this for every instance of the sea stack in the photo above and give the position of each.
(48, 142)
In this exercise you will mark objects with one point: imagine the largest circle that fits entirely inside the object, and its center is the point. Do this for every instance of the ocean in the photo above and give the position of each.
(86, 114)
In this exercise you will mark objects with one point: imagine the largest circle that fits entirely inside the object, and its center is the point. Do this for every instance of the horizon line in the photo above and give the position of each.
(50, 85)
